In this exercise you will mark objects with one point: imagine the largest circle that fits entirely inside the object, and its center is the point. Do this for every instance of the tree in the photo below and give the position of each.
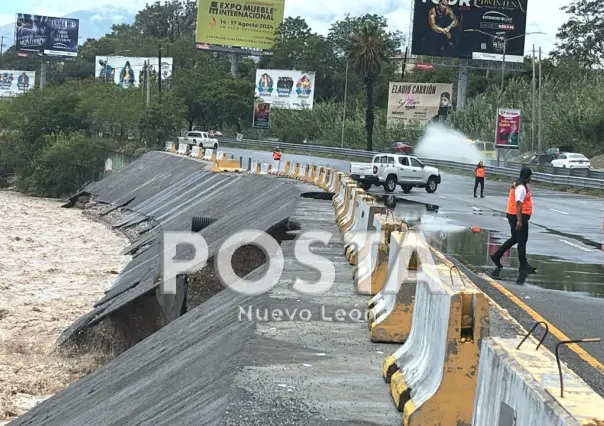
(170, 20)
(369, 50)
(582, 36)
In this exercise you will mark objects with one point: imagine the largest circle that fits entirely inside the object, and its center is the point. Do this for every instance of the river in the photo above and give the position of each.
(55, 263)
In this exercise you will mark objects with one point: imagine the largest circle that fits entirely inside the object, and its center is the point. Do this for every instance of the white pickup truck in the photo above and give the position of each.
(390, 170)
(201, 139)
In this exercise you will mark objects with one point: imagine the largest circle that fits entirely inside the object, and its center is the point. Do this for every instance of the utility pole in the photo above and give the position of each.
(234, 65)
(533, 118)
(159, 68)
(540, 102)
(503, 64)
(148, 81)
(1, 51)
(404, 63)
(42, 73)
(344, 111)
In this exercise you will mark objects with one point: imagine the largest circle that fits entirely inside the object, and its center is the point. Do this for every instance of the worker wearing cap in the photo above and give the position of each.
(277, 157)
(519, 211)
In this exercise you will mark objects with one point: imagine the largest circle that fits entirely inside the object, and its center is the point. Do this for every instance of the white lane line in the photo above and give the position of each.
(444, 198)
(573, 245)
(558, 211)
(476, 209)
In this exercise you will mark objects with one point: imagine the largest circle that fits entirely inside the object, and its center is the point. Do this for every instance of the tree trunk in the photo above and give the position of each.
(369, 114)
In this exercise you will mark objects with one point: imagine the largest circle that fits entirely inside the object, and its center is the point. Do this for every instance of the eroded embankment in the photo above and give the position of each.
(54, 265)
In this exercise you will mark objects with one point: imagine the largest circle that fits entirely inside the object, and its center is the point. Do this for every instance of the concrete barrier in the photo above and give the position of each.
(372, 268)
(433, 375)
(183, 149)
(523, 384)
(195, 152)
(219, 155)
(344, 198)
(303, 172)
(357, 241)
(254, 167)
(264, 169)
(361, 198)
(169, 147)
(338, 198)
(294, 171)
(391, 311)
(335, 186)
(208, 154)
(227, 165)
(286, 168)
(313, 173)
(320, 176)
(347, 210)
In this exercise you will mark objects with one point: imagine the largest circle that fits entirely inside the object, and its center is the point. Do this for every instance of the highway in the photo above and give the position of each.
(565, 244)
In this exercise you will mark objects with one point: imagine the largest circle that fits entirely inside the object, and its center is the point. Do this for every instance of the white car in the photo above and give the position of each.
(406, 171)
(201, 139)
(570, 160)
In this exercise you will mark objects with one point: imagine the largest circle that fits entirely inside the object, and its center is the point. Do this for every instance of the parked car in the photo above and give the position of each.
(401, 147)
(571, 160)
(406, 171)
(550, 154)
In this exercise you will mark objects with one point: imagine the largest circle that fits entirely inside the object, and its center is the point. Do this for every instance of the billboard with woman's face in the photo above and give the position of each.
(129, 72)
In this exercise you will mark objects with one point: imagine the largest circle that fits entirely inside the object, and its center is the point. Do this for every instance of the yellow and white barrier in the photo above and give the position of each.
(219, 155)
(432, 375)
(356, 241)
(294, 170)
(227, 165)
(264, 169)
(183, 149)
(170, 147)
(195, 152)
(254, 167)
(208, 154)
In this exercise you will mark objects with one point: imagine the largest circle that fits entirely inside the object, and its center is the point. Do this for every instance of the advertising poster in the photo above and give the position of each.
(508, 128)
(47, 35)
(129, 71)
(14, 82)
(262, 112)
(251, 24)
(470, 29)
(286, 89)
(419, 103)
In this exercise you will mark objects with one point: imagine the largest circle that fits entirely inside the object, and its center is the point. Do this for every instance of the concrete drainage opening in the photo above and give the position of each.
(318, 195)
(199, 223)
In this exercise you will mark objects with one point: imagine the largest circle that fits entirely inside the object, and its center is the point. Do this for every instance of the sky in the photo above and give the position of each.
(543, 15)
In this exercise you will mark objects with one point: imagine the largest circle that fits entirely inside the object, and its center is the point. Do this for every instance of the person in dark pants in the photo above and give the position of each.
(519, 211)
(479, 173)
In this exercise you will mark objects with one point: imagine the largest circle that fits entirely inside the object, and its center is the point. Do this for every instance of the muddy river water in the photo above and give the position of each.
(55, 263)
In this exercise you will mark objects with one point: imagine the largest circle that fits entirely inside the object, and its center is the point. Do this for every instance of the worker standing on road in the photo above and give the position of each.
(479, 173)
(519, 211)
(277, 157)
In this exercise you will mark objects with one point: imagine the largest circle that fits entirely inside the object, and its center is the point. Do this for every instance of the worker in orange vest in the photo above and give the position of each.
(519, 211)
(479, 173)
(277, 157)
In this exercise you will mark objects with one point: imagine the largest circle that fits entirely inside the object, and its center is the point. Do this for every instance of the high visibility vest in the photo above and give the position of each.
(527, 204)
(276, 156)
(480, 172)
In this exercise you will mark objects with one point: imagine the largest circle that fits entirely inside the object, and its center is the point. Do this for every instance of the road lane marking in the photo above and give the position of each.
(573, 245)
(443, 197)
(558, 211)
(578, 350)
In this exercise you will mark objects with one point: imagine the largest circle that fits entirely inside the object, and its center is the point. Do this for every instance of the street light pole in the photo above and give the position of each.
(344, 110)
(503, 64)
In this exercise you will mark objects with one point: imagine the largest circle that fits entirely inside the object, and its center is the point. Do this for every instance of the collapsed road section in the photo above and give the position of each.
(157, 193)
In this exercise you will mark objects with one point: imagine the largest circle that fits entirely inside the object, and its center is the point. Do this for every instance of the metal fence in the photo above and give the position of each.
(583, 178)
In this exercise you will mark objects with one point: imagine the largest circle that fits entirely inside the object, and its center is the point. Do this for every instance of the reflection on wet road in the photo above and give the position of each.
(460, 238)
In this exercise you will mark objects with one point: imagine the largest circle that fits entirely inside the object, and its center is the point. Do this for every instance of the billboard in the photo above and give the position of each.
(13, 82)
(470, 29)
(419, 103)
(262, 114)
(507, 131)
(127, 71)
(47, 35)
(239, 23)
(286, 89)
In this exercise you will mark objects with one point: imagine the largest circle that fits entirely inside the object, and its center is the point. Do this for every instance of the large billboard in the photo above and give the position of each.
(286, 89)
(126, 71)
(46, 35)
(507, 128)
(470, 29)
(418, 103)
(13, 82)
(249, 24)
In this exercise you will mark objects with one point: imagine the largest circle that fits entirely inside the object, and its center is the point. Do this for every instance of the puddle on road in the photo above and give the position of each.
(473, 248)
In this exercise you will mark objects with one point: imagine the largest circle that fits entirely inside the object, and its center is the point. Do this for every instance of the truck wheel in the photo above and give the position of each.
(390, 184)
(406, 189)
(431, 185)
(366, 186)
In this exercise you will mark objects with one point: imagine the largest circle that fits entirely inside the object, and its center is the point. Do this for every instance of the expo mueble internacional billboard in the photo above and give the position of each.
(46, 35)
(248, 24)
(470, 29)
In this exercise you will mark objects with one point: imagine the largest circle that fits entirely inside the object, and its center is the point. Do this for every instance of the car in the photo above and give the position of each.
(363, 173)
(406, 171)
(549, 155)
(486, 149)
(201, 139)
(571, 160)
(401, 147)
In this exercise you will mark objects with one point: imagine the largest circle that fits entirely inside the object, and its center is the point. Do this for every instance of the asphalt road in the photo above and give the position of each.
(565, 244)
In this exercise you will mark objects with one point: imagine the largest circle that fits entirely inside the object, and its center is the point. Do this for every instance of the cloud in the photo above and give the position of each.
(96, 17)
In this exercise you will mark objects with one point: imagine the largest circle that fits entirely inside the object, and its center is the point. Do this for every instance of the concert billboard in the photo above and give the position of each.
(251, 24)
(128, 71)
(470, 29)
(46, 35)
(285, 89)
(418, 103)
(14, 82)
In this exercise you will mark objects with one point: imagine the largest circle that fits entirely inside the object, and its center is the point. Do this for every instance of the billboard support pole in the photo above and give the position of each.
(540, 101)
(159, 70)
(462, 83)
(503, 65)
(234, 64)
(42, 73)
(533, 118)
